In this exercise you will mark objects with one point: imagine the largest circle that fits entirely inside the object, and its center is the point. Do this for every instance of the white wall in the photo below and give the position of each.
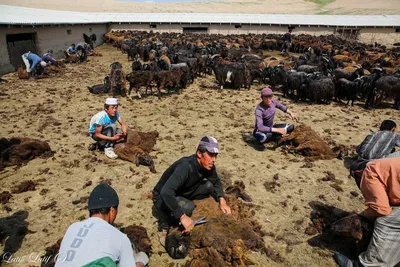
(49, 37)
(385, 36)
(225, 28)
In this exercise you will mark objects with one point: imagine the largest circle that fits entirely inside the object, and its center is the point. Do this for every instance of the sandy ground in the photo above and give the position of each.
(338, 7)
(62, 106)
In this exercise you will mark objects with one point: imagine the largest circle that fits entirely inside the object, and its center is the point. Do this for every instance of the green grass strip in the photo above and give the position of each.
(321, 2)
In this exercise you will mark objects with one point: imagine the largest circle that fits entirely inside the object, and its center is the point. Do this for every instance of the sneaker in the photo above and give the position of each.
(162, 235)
(109, 151)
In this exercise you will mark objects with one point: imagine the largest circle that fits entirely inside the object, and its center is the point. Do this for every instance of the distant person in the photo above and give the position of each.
(82, 50)
(287, 42)
(189, 178)
(380, 186)
(95, 241)
(71, 51)
(265, 130)
(48, 58)
(103, 128)
(31, 61)
(377, 145)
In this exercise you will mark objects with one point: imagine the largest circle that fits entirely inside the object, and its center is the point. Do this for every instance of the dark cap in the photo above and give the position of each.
(103, 196)
(210, 143)
(267, 92)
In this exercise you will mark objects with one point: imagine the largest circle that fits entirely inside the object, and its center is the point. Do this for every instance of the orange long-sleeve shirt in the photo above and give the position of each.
(380, 185)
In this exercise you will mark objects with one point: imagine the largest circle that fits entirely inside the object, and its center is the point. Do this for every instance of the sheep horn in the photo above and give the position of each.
(216, 55)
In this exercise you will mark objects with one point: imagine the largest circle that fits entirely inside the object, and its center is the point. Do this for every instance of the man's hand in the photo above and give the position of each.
(141, 259)
(223, 206)
(292, 115)
(117, 137)
(282, 131)
(187, 222)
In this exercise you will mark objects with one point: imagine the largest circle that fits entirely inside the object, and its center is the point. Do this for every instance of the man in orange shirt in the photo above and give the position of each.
(380, 185)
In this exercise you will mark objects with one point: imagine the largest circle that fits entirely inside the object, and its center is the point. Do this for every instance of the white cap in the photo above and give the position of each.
(43, 64)
(112, 101)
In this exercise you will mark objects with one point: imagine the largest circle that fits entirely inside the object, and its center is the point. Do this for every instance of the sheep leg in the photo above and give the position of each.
(397, 104)
(159, 90)
(138, 92)
(130, 88)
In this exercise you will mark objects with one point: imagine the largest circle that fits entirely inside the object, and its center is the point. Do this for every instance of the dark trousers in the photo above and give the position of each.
(268, 137)
(108, 130)
(164, 214)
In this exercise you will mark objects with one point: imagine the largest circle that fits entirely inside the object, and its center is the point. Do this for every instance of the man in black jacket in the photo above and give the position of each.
(190, 178)
(287, 41)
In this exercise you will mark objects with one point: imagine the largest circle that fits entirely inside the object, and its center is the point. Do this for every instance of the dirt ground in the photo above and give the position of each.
(58, 110)
(311, 7)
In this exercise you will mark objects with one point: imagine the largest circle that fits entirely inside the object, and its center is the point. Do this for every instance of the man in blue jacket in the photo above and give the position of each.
(32, 60)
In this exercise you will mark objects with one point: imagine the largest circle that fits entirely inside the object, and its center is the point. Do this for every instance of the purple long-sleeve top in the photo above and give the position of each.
(265, 115)
(48, 58)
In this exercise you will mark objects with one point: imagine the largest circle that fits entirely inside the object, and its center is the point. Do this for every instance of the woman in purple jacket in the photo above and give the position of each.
(265, 130)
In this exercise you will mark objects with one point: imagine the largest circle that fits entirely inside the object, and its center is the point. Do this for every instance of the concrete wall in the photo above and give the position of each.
(49, 37)
(385, 36)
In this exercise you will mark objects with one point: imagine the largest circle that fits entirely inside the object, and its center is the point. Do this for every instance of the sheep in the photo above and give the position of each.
(318, 89)
(124, 48)
(340, 73)
(139, 78)
(117, 79)
(152, 55)
(348, 89)
(136, 65)
(236, 73)
(293, 80)
(184, 68)
(307, 68)
(387, 87)
(168, 78)
(202, 62)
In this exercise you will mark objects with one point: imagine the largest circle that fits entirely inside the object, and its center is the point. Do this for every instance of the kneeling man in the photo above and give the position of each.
(190, 178)
(103, 130)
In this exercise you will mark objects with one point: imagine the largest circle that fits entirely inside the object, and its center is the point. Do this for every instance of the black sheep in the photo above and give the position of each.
(347, 89)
